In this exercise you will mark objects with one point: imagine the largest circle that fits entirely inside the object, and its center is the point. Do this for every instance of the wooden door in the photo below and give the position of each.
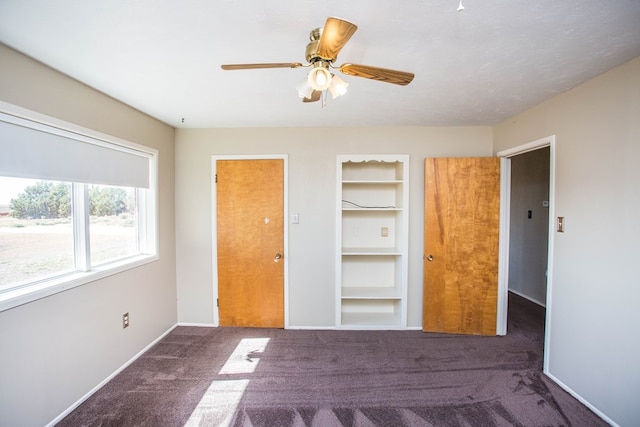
(250, 231)
(462, 220)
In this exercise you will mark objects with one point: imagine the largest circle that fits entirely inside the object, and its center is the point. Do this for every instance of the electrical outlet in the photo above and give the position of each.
(384, 232)
(125, 320)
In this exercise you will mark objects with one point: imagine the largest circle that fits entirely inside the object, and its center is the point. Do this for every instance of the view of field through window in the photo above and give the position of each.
(36, 228)
(113, 223)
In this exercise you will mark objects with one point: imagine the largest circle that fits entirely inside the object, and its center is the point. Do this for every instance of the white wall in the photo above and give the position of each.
(312, 185)
(594, 317)
(56, 349)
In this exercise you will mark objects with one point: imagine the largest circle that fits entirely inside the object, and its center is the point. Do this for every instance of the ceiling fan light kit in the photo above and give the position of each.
(319, 78)
(338, 86)
(304, 89)
(321, 52)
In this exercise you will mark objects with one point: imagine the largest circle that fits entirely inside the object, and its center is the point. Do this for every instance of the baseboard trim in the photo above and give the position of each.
(541, 304)
(198, 325)
(106, 380)
(581, 399)
(300, 328)
(211, 325)
(332, 328)
(312, 328)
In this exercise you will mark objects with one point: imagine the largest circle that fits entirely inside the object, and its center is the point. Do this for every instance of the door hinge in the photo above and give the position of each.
(216, 179)
(217, 302)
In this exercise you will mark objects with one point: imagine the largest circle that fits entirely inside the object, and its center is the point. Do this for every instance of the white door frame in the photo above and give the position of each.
(285, 221)
(505, 219)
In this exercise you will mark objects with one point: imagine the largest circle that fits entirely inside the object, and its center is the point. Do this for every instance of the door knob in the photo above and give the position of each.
(277, 257)
(429, 257)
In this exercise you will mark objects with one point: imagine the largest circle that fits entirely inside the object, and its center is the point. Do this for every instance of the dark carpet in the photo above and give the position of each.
(272, 377)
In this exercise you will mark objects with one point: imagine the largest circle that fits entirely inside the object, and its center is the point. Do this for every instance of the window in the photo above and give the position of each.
(75, 206)
(113, 223)
(36, 234)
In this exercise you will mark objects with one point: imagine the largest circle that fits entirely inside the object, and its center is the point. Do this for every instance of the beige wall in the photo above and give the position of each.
(312, 194)
(529, 237)
(593, 303)
(56, 349)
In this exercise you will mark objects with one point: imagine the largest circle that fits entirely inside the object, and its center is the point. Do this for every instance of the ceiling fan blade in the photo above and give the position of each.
(315, 96)
(335, 34)
(401, 78)
(265, 65)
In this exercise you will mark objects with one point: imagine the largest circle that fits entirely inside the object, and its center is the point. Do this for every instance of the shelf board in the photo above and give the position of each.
(371, 292)
(371, 251)
(372, 181)
(370, 319)
(351, 209)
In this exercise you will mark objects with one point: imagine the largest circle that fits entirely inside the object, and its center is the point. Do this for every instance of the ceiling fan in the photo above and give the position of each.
(322, 51)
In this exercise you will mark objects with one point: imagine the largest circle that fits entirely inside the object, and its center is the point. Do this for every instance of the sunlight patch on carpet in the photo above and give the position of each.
(243, 360)
(219, 403)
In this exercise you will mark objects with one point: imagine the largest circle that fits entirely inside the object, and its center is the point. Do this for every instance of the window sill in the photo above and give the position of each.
(28, 293)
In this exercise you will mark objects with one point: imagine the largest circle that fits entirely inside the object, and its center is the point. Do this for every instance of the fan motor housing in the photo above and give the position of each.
(311, 53)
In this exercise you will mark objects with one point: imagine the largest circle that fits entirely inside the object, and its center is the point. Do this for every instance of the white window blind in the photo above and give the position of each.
(31, 150)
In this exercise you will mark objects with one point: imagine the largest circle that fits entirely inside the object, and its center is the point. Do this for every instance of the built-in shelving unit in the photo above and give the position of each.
(372, 241)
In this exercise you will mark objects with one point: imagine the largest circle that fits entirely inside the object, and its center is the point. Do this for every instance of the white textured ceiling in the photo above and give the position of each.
(476, 67)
